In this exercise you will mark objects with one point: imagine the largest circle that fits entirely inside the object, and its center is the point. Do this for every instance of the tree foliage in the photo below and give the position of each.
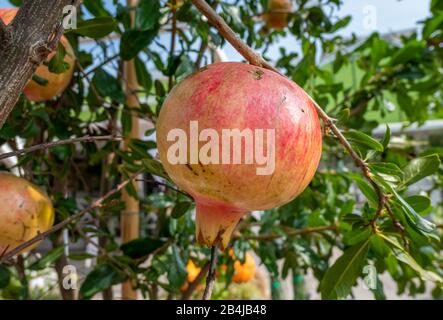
(393, 76)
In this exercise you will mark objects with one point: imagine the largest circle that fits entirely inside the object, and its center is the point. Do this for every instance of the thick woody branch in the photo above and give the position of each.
(99, 203)
(256, 59)
(25, 44)
(52, 144)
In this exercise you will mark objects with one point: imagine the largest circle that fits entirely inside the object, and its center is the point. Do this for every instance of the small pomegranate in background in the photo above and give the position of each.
(57, 82)
(25, 211)
(250, 101)
(277, 15)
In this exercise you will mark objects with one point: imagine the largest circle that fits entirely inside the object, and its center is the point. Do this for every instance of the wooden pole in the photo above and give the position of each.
(130, 218)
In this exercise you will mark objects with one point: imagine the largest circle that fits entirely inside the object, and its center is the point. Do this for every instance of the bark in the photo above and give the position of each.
(24, 45)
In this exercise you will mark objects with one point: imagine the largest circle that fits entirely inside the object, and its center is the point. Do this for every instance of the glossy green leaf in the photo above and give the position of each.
(147, 14)
(420, 168)
(49, 258)
(363, 139)
(5, 276)
(402, 255)
(342, 275)
(142, 247)
(180, 209)
(101, 278)
(96, 28)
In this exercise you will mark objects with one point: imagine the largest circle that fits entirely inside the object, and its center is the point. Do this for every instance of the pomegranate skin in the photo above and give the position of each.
(57, 83)
(231, 95)
(25, 211)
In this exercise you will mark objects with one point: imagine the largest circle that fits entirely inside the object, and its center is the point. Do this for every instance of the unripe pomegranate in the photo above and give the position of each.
(272, 162)
(25, 211)
(57, 83)
(277, 15)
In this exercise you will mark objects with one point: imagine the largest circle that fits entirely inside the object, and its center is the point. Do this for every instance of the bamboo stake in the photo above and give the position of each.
(130, 218)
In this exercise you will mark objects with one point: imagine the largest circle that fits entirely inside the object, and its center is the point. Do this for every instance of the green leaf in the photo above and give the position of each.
(366, 188)
(432, 24)
(57, 64)
(143, 76)
(386, 168)
(419, 203)
(108, 86)
(142, 247)
(419, 168)
(177, 273)
(402, 255)
(47, 259)
(147, 14)
(363, 139)
(413, 50)
(126, 121)
(101, 278)
(341, 277)
(5, 277)
(386, 137)
(356, 236)
(96, 28)
(155, 167)
(133, 41)
(180, 209)
(96, 8)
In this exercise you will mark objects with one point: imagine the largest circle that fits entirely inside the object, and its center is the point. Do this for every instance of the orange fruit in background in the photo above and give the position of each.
(57, 83)
(277, 15)
(25, 211)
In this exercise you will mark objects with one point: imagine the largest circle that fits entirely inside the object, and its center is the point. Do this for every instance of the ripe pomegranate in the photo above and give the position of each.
(277, 15)
(25, 211)
(57, 83)
(231, 95)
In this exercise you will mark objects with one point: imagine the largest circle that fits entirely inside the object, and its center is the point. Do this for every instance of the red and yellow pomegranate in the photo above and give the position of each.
(57, 83)
(227, 98)
(277, 15)
(25, 211)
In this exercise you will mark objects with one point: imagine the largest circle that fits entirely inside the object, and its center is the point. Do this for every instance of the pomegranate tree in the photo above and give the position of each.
(266, 160)
(25, 211)
(56, 82)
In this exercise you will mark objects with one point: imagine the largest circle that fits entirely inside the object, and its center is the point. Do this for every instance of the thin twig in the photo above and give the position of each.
(256, 59)
(210, 279)
(173, 33)
(97, 204)
(164, 185)
(52, 144)
(85, 73)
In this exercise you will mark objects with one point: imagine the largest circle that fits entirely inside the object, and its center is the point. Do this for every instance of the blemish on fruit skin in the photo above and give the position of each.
(190, 169)
(257, 74)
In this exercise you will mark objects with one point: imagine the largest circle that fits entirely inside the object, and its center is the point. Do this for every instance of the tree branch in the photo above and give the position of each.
(210, 279)
(32, 35)
(52, 144)
(256, 59)
(99, 203)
